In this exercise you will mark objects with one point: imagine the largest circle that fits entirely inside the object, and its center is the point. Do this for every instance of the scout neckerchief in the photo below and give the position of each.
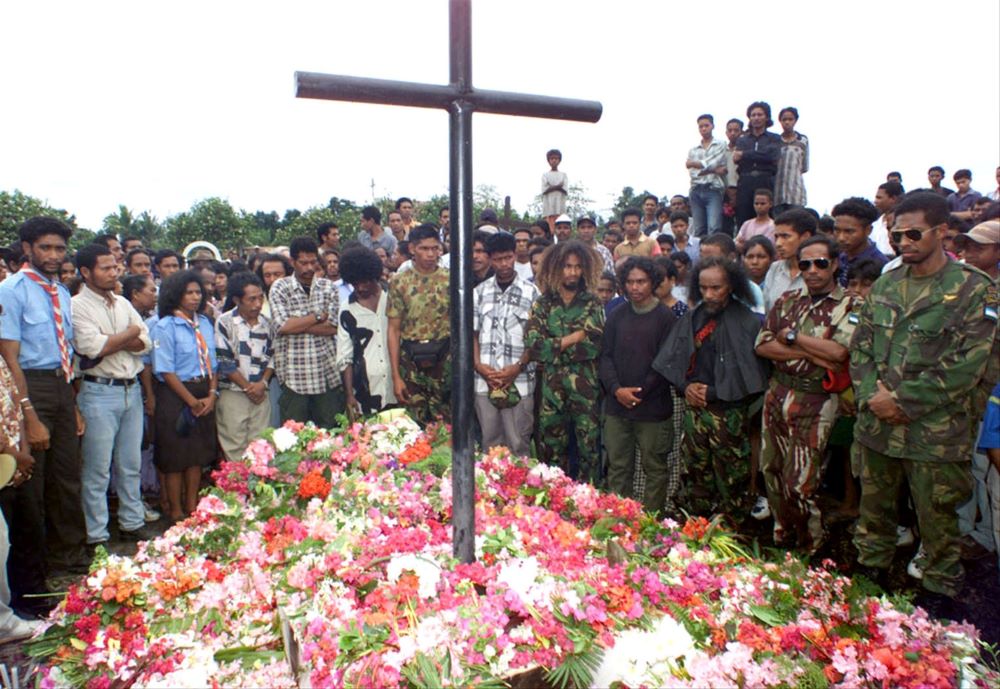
(57, 317)
(204, 360)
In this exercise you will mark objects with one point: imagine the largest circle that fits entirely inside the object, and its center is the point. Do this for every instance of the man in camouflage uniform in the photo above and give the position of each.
(805, 335)
(564, 335)
(419, 329)
(921, 345)
(709, 357)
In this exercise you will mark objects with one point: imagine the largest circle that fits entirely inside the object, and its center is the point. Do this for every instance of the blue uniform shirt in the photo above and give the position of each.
(27, 317)
(989, 438)
(175, 349)
(151, 322)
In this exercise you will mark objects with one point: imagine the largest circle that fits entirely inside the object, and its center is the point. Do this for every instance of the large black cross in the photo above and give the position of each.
(460, 99)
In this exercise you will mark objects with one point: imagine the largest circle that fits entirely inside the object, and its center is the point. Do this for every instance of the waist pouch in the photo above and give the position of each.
(426, 354)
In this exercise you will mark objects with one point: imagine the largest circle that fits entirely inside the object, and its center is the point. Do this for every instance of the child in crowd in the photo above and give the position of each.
(554, 193)
(762, 224)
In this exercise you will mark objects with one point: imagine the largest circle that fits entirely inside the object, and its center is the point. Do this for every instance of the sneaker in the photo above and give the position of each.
(143, 533)
(19, 630)
(150, 515)
(904, 536)
(761, 510)
(916, 567)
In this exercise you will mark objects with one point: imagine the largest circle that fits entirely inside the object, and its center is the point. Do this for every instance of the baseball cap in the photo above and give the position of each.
(984, 233)
(585, 218)
(564, 218)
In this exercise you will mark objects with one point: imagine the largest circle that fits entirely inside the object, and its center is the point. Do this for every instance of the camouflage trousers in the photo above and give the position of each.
(937, 488)
(717, 446)
(570, 397)
(429, 390)
(795, 429)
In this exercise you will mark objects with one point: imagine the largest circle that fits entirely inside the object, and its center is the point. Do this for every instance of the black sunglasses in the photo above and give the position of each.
(913, 234)
(821, 263)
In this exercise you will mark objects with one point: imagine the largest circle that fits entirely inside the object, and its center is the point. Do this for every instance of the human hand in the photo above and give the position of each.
(25, 467)
(885, 407)
(37, 433)
(256, 391)
(81, 423)
(628, 397)
(399, 387)
(696, 395)
(149, 405)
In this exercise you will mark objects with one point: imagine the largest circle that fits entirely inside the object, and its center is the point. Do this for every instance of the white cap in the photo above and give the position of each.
(564, 218)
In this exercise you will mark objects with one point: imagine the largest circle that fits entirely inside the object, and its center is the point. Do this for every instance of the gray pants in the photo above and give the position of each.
(974, 518)
(509, 427)
(654, 440)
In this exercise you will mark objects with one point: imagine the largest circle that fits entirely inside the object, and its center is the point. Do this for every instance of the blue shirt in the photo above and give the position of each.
(175, 348)
(151, 322)
(28, 318)
(989, 437)
(871, 253)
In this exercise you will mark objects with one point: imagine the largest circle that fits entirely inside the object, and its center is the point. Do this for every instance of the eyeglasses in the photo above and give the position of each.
(820, 263)
(914, 234)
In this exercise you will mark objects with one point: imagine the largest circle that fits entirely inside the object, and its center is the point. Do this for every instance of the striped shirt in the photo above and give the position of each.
(500, 320)
(789, 187)
(710, 158)
(242, 347)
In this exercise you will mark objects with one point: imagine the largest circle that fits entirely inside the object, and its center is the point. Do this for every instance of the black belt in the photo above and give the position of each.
(199, 379)
(56, 372)
(798, 383)
(120, 382)
(756, 173)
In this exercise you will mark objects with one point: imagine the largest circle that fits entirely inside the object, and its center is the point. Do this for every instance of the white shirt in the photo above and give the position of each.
(376, 353)
(94, 321)
(880, 235)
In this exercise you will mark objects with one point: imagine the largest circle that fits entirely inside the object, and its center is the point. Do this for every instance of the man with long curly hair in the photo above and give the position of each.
(564, 336)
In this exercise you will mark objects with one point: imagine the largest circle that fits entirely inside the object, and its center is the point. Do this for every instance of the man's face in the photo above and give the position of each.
(480, 259)
(761, 205)
(787, 121)
(605, 290)
(366, 288)
(786, 241)
(426, 253)
(638, 286)
(678, 205)
(948, 242)
(332, 261)
(503, 266)
(916, 252)
(140, 265)
(537, 231)
(649, 207)
(572, 271)
(536, 263)
(144, 299)
(630, 224)
(103, 275)
(733, 132)
(66, 272)
(859, 288)
(271, 271)
(851, 233)
(611, 240)
(406, 209)
(663, 219)
(332, 237)
(713, 283)
(935, 177)
(117, 251)
(521, 239)
(818, 280)
(132, 244)
(883, 201)
(705, 128)
(758, 118)
(221, 283)
(585, 231)
(46, 254)
(564, 231)
(679, 228)
(982, 256)
(395, 222)
(444, 218)
(709, 251)
(554, 161)
(979, 209)
(305, 266)
(963, 184)
(251, 302)
(169, 266)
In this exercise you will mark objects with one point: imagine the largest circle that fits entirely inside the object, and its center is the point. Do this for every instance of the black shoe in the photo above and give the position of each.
(143, 533)
(940, 606)
(876, 575)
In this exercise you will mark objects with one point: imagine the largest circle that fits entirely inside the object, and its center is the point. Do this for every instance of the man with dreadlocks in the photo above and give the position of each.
(564, 335)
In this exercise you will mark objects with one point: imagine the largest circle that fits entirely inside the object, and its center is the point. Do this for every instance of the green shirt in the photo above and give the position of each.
(420, 301)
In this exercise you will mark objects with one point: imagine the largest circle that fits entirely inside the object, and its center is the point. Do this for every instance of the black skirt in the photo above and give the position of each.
(171, 452)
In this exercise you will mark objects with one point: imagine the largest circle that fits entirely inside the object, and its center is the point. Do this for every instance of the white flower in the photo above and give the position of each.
(284, 439)
(428, 572)
(645, 658)
(519, 575)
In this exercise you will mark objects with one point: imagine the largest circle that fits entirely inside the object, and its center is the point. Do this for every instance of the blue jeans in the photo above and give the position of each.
(706, 210)
(114, 427)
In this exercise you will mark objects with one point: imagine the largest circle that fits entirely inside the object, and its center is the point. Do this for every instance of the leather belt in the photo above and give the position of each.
(119, 382)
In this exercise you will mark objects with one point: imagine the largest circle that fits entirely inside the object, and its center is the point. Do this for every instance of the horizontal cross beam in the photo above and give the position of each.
(389, 92)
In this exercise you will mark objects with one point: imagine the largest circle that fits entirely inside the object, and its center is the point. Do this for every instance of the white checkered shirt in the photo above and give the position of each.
(500, 318)
(305, 363)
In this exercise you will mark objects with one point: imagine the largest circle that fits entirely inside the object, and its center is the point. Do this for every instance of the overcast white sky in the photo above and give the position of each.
(159, 104)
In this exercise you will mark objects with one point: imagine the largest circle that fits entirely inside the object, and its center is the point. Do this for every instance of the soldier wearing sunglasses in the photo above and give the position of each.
(922, 342)
(805, 335)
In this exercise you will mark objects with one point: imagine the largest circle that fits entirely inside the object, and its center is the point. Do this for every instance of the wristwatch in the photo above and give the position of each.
(790, 337)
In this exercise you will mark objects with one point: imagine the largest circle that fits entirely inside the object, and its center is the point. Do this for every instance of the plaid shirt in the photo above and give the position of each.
(305, 363)
(242, 347)
(500, 320)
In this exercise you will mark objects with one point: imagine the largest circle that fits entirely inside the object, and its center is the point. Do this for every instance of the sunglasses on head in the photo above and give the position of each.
(820, 263)
(913, 234)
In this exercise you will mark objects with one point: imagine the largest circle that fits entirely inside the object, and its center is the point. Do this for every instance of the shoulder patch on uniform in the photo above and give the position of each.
(990, 312)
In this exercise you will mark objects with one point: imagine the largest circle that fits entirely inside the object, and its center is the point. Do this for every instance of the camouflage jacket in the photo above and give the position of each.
(927, 339)
(551, 320)
(420, 301)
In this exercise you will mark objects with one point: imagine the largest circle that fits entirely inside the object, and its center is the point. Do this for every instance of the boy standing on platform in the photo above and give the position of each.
(554, 193)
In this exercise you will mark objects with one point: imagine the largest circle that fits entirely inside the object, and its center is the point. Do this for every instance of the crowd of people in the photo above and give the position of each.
(723, 353)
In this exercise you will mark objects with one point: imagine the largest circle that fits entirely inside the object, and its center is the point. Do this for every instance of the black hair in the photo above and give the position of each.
(721, 240)
(736, 120)
(647, 197)
(372, 213)
(991, 212)
(237, 285)
(932, 168)
(274, 258)
(680, 215)
(763, 242)
(134, 283)
(739, 283)
(608, 275)
(302, 245)
(422, 232)
(33, 229)
(895, 173)
(133, 253)
(553, 152)
(665, 238)
(933, 206)
(172, 292)
(400, 201)
(667, 266)
(893, 189)
(130, 238)
(643, 263)
(867, 269)
(442, 209)
(857, 207)
(964, 173)
(826, 224)
(632, 211)
(540, 241)
(520, 229)
(324, 230)
(706, 116)
(360, 264)
(832, 249)
(662, 210)
(763, 106)
(499, 242)
(479, 237)
(612, 230)
(220, 267)
(681, 256)
(87, 256)
(794, 111)
(957, 224)
(105, 239)
(763, 191)
(403, 248)
(799, 220)
(538, 249)
(167, 253)
(239, 266)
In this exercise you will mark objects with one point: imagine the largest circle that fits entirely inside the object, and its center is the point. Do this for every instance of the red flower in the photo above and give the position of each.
(314, 485)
